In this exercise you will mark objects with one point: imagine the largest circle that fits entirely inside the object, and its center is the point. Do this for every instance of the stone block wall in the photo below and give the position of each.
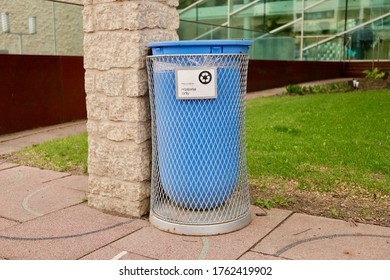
(116, 33)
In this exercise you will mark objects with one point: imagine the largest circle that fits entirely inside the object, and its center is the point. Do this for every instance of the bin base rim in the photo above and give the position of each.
(199, 230)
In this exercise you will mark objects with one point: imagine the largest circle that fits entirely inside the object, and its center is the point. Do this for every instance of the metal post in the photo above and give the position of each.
(302, 26)
(228, 18)
(379, 46)
(264, 16)
(246, 24)
(345, 26)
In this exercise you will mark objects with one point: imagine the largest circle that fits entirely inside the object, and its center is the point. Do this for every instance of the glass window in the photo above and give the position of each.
(332, 30)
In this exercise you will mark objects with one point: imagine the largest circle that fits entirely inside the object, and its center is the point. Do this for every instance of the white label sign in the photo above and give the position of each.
(196, 83)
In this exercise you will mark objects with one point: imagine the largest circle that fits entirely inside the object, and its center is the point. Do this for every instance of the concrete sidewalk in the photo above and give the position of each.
(44, 215)
(15, 141)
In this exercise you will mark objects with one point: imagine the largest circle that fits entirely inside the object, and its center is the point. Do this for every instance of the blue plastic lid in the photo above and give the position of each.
(200, 43)
(200, 47)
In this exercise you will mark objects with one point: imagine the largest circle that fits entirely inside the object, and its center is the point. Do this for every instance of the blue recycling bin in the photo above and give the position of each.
(198, 137)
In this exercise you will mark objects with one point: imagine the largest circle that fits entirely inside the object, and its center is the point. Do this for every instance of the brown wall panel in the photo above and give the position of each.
(265, 74)
(355, 68)
(38, 91)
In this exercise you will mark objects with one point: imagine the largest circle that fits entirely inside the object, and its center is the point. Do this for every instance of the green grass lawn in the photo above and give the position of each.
(323, 154)
(321, 140)
(67, 154)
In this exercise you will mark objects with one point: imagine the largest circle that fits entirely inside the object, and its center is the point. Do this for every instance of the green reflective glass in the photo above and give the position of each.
(292, 29)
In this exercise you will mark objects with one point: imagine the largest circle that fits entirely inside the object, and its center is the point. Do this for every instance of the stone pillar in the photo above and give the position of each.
(119, 160)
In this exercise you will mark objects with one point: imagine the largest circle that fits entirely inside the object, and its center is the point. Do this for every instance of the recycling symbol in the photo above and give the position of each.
(205, 77)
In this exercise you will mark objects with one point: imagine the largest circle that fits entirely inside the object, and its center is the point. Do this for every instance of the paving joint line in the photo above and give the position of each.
(2, 162)
(19, 177)
(271, 231)
(12, 220)
(119, 238)
(65, 175)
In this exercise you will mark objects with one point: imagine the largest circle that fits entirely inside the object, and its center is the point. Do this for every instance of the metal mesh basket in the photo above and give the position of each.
(199, 175)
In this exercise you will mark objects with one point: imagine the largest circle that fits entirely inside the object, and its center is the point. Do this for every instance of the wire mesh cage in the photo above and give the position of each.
(199, 176)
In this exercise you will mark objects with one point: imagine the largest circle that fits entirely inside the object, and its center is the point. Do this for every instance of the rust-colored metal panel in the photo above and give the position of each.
(38, 91)
(355, 68)
(72, 70)
(265, 74)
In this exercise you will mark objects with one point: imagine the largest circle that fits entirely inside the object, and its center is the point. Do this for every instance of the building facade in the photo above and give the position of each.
(328, 29)
(59, 27)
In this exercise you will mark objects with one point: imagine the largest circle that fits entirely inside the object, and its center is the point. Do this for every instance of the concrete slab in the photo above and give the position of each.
(18, 184)
(24, 175)
(153, 243)
(71, 233)
(112, 253)
(307, 237)
(56, 195)
(5, 223)
(78, 182)
(242, 240)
